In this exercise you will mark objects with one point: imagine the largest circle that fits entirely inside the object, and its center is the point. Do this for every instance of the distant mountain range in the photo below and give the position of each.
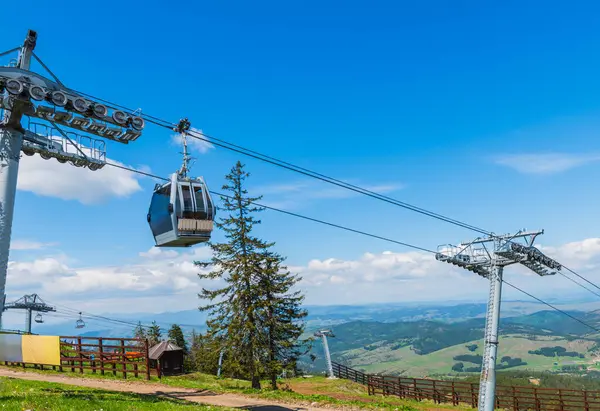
(319, 316)
(420, 338)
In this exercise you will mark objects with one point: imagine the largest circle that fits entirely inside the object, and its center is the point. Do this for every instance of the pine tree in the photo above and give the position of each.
(176, 336)
(233, 317)
(282, 314)
(154, 334)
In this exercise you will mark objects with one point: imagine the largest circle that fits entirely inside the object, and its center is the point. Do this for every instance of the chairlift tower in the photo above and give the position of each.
(49, 106)
(30, 303)
(487, 257)
(324, 334)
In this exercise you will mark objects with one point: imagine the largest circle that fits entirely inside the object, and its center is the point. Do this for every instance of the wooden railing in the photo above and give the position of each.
(516, 398)
(341, 371)
(119, 356)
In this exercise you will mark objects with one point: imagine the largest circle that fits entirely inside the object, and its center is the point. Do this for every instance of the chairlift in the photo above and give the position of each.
(181, 212)
(39, 319)
(79, 323)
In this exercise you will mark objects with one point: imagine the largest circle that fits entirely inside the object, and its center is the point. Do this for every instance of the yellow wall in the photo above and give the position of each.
(41, 349)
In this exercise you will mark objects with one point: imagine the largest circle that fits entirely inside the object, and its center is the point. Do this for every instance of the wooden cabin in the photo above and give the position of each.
(166, 358)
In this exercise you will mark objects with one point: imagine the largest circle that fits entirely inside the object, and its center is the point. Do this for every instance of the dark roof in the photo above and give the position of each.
(159, 349)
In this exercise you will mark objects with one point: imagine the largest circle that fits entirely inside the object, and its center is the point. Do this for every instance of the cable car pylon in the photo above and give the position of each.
(30, 303)
(181, 211)
(50, 108)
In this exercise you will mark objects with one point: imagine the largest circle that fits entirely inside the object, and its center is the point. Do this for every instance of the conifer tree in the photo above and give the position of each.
(176, 336)
(233, 309)
(281, 315)
(256, 317)
(154, 334)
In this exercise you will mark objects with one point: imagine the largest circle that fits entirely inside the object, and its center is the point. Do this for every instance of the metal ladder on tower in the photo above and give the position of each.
(486, 342)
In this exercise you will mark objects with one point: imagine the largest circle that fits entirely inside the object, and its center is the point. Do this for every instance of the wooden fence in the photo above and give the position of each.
(513, 398)
(119, 356)
(341, 371)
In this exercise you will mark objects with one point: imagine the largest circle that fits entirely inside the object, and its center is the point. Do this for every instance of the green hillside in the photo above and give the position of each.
(425, 347)
(385, 360)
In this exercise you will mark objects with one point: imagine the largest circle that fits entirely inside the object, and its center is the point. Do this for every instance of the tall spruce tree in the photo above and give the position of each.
(281, 314)
(176, 336)
(233, 309)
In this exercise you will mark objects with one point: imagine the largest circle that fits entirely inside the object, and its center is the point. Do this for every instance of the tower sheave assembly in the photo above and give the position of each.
(43, 116)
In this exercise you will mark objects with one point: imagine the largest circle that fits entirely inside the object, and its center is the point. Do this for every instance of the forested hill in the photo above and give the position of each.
(423, 336)
(429, 336)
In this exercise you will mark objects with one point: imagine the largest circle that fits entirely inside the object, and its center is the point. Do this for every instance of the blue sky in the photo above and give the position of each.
(484, 112)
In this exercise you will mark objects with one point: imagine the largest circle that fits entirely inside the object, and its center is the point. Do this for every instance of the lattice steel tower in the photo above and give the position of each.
(24, 93)
(30, 303)
(487, 257)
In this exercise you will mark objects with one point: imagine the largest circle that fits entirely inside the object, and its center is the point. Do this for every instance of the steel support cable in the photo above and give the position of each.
(385, 239)
(551, 306)
(351, 229)
(330, 180)
(4, 53)
(309, 173)
(91, 320)
(339, 183)
(304, 171)
(271, 160)
(75, 313)
(578, 283)
(341, 227)
(292, 167)
(580, 276)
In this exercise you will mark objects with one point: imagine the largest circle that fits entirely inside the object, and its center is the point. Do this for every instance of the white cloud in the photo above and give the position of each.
(50, 178)
(576, 255)
(156, 253)
(157, 272)
(197, 144)
(166, 280)
(29, 245)
(417, 276)
(550, 163)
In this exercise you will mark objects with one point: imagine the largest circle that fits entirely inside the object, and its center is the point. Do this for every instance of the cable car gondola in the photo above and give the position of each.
(181, 211)
(39, 319)
(79, 323)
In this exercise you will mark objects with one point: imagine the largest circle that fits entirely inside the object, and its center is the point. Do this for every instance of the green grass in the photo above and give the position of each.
(34, 395)
(207, 382)
(324, 392)
(325, 388)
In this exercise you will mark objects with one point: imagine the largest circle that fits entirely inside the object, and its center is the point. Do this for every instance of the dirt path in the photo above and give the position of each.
(201, 397)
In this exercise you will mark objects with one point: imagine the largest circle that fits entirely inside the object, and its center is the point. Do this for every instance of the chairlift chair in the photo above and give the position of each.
(79, 323)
